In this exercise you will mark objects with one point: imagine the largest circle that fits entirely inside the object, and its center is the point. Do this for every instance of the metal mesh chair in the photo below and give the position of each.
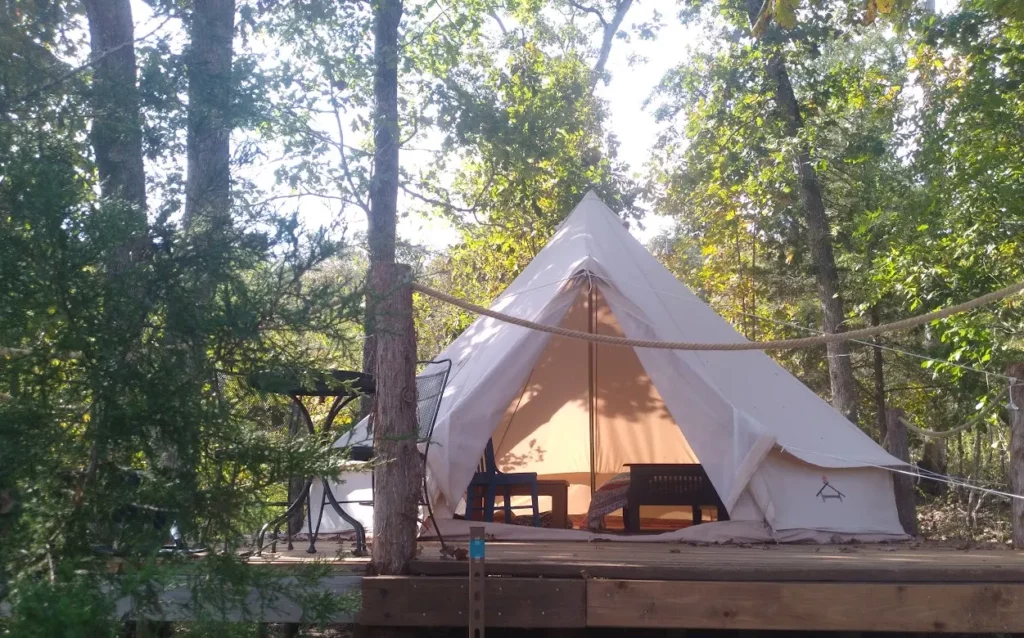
(429, 392)
(430, 385)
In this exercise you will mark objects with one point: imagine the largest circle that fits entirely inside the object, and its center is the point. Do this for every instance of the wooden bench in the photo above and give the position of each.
(685, 484)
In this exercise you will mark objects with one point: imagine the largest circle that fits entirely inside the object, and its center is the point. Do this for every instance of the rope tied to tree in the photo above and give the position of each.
(778, 344)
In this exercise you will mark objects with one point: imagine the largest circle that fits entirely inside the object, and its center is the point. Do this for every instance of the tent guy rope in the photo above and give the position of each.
(870, 344)
(779, 344)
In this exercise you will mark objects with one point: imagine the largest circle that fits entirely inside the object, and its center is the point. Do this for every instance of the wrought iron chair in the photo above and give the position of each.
(488, 479)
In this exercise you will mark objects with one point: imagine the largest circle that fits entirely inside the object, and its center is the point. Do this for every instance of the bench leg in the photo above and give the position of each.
(536, 506)
(631, 517)
(507, 494)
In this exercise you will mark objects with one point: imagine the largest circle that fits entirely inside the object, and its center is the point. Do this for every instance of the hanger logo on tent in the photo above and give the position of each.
(827, 491)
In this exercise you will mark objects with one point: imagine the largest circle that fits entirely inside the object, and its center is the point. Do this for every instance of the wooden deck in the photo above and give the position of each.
(918, 587)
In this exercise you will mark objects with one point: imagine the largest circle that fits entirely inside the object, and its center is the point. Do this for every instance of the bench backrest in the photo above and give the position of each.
(671, 484)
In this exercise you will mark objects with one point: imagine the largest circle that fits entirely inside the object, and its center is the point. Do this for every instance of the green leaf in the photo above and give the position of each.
(785, 13)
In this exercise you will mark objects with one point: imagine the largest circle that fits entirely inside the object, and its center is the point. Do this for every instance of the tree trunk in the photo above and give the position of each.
(382, 219)
(399, 473)
(933, 459)
(878, 365)
(116, 138)
(844, 388)
(295, 484)
(117, 125)
(384, 186)
(1016, 372)
(209, 58)
(903, 484)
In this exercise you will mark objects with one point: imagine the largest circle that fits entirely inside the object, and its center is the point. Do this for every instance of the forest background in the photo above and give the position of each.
(194, 190)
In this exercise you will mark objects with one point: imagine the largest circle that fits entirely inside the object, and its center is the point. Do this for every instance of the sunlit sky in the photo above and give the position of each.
(636, 67)
(630, 85)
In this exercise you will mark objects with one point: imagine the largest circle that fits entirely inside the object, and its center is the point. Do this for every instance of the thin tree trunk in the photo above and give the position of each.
(384, 186)
(973, 496)
(209, 58)
(382, 219)
(878, 365)
(959, 454)
(1016, 372)
(753, 286)
(295, 484)
(990, 443)
(399, 473)
(391, 355)
(117, 125)
(903, 484)
(844, 388)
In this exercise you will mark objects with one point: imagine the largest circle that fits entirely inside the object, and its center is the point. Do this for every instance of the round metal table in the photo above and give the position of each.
(343, 387)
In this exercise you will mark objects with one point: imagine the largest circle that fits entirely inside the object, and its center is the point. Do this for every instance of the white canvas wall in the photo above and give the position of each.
(734, 411)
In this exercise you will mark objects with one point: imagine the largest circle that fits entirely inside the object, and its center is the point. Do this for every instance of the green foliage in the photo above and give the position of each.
(524, 140)
(75, 606)
(914, 135)
(124, 402)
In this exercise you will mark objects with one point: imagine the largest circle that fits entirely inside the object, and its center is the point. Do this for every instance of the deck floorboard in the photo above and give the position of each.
(914, 587)
(904, 562)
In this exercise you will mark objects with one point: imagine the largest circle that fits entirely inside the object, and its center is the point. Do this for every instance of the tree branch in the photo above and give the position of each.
(585, 9)
(344, 157)
(501, 25)
(610, 29)
(91, 63)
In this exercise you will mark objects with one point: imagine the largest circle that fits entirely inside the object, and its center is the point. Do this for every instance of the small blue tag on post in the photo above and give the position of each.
(476, 549)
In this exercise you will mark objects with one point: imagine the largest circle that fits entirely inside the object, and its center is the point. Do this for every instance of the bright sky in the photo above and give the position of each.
(636, 67)
(630, 86)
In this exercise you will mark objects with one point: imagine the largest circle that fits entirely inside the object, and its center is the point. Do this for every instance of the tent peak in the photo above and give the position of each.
(592, 204)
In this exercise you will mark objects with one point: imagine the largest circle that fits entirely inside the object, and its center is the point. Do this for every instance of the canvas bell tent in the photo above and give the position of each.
(577, 411)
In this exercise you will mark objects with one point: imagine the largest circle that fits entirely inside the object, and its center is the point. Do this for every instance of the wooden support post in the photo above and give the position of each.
(1016, 373)
(477, 582)
(903, 484)
(398, 473)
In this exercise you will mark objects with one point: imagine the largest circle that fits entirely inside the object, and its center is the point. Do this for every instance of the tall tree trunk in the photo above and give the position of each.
(1016, 373)
(207, 217)
(878, 365)
(382, 220)
(398, 473)
(116, 137)
(903, 484)
(295, 484)
(384, 186)
(844, 388)
(209, 58)
(117, 125)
